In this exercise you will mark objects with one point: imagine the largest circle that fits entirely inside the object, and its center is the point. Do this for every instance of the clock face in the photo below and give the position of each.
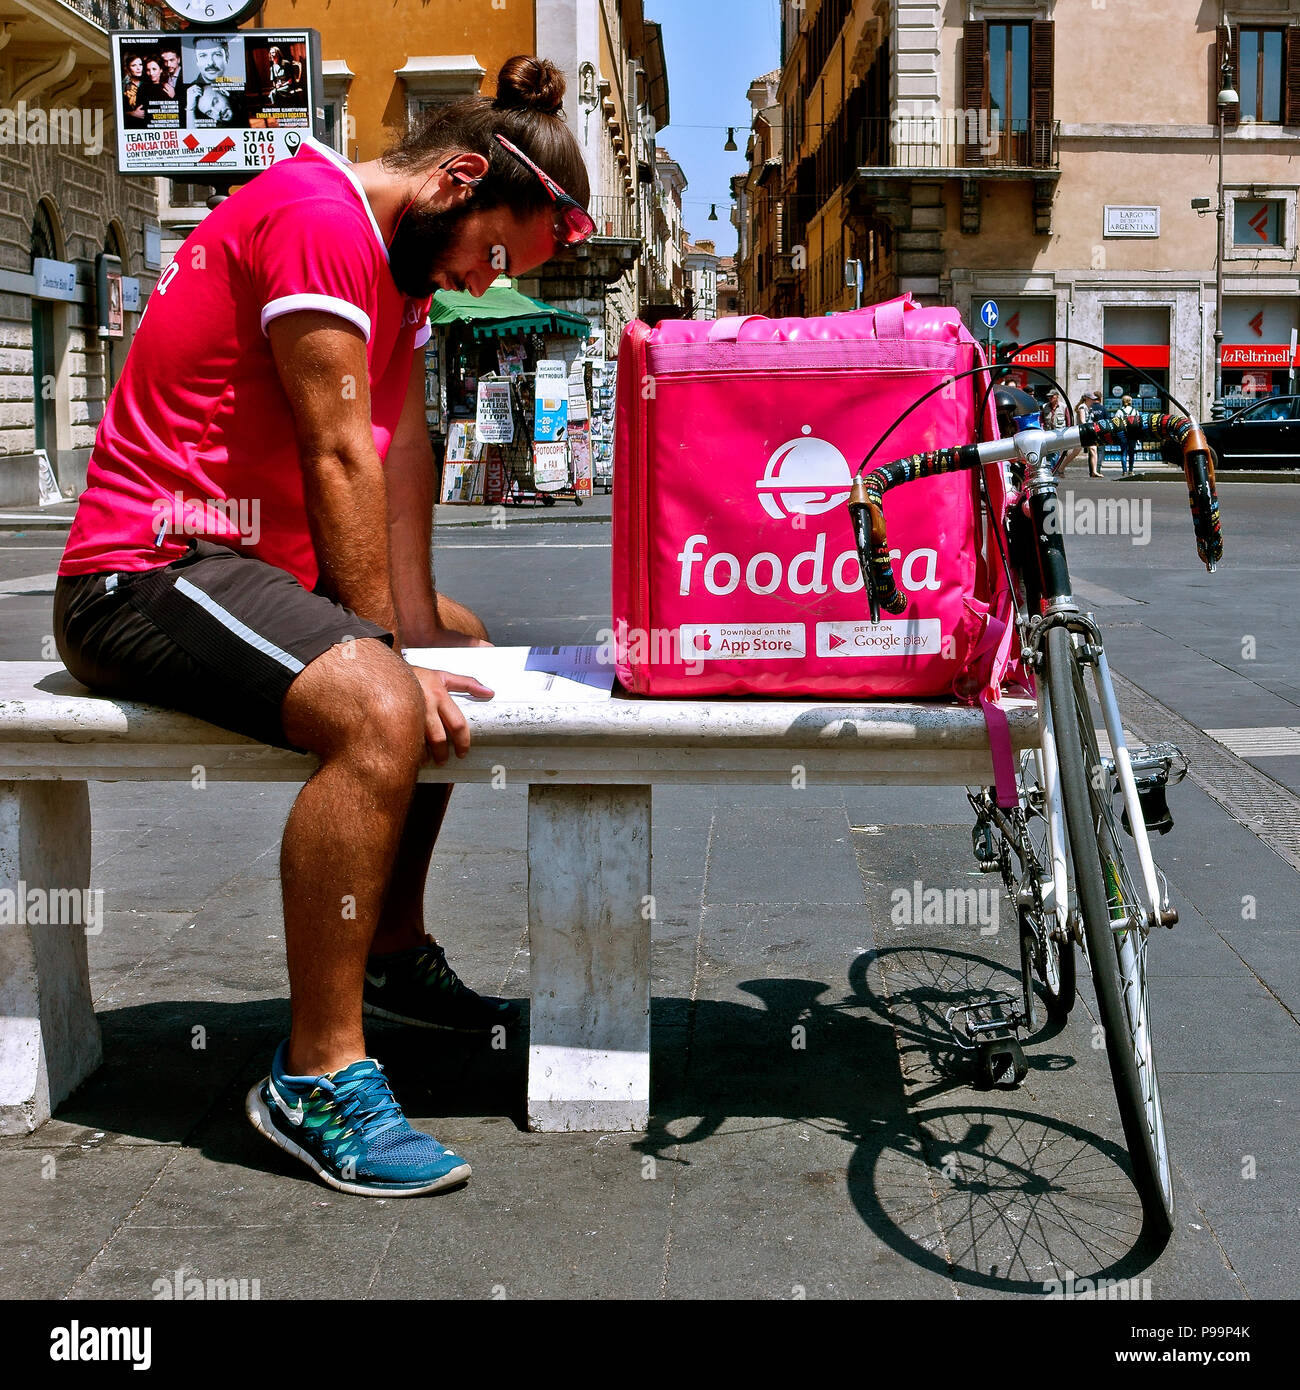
(215, 14)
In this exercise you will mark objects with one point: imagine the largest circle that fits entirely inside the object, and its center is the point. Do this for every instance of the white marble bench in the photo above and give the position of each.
(589, 768)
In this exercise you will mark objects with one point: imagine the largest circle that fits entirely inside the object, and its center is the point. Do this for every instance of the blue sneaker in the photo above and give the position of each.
(418, 987)
(347, 1127)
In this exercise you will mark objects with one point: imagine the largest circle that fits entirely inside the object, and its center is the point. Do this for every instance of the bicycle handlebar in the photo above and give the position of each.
(866, 500)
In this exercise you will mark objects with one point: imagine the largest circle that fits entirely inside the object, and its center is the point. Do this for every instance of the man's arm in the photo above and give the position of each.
(321, 360)
(409, 472)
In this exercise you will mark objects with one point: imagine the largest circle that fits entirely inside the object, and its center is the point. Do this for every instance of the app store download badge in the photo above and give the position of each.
(742, 641)
(896, 637)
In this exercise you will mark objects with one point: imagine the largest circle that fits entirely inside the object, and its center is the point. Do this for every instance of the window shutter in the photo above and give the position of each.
(1042, 63)
(975, 83)
(1291, 102)
(1231, 114)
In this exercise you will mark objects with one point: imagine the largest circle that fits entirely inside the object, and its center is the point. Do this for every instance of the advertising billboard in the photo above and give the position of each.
(199, 106)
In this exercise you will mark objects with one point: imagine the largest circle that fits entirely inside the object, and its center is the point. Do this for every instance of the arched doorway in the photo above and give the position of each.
(46, 244)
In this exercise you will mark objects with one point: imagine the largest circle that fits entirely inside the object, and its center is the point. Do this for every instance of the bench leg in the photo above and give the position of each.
(589, 935)
(49, 1039)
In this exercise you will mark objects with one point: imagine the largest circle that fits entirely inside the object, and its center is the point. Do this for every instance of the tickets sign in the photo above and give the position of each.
(551, 405)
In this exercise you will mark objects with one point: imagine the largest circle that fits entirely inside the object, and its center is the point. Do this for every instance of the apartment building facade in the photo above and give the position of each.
(63, 209)
(701, 262)
(666, 276)
(1038, 154)
(765, 266)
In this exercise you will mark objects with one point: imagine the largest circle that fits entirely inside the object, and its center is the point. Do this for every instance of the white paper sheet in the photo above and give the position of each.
(525, 673)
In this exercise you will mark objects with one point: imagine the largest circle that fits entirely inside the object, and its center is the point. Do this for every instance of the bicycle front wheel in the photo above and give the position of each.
(1110, 898)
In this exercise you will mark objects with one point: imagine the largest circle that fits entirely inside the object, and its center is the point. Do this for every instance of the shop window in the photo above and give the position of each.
(1259, 222)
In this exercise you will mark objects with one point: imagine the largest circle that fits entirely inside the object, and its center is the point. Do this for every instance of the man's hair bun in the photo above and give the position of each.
(527, 83)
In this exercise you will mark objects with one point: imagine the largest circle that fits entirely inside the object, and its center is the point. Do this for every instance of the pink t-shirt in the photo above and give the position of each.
(199, 438)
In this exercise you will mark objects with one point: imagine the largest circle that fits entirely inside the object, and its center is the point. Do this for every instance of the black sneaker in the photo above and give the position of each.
(418, 987)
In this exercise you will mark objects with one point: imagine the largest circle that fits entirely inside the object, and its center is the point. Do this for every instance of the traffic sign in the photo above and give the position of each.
(989, 313)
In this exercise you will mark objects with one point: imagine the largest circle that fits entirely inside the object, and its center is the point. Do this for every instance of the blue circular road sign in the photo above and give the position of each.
(989, 313)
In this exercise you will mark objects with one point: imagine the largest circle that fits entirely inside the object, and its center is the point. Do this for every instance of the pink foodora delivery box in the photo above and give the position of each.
(734, 567)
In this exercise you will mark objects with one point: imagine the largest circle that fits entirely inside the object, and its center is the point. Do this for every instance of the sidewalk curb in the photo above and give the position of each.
(512, 520)
(1221, 476)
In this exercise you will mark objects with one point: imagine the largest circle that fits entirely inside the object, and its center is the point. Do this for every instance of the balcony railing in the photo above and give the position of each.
(614, 217)
(783, 271)
(117, 14)
(956, 140)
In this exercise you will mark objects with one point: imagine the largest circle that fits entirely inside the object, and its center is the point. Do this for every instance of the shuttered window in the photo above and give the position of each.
(1042, 64)
(1261, 72)
(1009, 75)
(976, 84)
(1225, 68)
(1292, 115)
(1008, 70)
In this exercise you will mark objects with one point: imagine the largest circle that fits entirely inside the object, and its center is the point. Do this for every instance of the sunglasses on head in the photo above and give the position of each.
(573, 223)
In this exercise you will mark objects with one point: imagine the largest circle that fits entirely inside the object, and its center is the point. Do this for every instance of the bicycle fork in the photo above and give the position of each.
(1156, 910)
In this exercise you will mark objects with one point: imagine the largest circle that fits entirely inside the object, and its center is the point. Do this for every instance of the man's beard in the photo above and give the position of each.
(421, 246)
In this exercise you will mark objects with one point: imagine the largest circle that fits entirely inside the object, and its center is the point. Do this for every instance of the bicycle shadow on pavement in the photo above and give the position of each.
(986, 1191)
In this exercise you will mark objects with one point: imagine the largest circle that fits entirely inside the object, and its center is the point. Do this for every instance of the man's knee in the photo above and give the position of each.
(362, 697)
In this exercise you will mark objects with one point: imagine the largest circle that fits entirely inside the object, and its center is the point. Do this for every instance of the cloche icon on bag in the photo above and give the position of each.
(804, 475)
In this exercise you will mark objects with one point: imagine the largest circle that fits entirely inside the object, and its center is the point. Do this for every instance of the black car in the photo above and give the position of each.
(1263, 435)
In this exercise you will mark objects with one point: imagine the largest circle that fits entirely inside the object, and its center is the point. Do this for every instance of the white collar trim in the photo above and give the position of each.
(346, 165)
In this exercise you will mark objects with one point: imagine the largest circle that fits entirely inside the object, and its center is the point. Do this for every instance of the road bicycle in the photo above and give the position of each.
(1073, 847)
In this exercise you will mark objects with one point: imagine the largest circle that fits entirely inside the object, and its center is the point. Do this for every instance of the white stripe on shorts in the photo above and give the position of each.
(228, 620)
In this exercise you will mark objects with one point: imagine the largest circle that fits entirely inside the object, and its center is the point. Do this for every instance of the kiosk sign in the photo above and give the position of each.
(201, 105)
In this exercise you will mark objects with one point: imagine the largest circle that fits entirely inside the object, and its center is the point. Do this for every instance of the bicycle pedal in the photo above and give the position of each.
(985, 1021)
(983, 847)
(1003, 1064)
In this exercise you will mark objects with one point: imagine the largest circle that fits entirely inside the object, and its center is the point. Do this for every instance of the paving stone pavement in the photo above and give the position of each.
(814, 1133)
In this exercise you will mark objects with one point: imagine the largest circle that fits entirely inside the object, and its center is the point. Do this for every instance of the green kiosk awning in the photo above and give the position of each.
(503, 311)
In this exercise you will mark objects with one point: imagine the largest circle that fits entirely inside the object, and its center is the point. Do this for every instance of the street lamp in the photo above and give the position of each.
(731, 139)
(1227, 97)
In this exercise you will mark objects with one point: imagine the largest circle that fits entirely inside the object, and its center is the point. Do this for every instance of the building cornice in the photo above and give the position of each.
(1240, 134)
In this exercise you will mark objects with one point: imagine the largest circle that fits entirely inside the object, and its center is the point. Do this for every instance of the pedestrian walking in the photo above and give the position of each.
(320, 272)
(1086, 410)
(1129, 446)
(1056, 417)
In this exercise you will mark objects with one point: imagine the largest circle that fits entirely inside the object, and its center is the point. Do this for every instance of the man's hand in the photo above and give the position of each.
(444, 720)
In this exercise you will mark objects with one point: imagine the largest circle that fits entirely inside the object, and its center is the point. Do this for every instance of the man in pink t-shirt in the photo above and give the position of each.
(253, 547)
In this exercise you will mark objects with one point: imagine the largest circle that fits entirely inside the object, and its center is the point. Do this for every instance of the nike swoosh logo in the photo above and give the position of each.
(295, 1114)
(378, 981)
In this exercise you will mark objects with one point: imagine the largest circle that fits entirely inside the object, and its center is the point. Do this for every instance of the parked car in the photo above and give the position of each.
(1263, 435)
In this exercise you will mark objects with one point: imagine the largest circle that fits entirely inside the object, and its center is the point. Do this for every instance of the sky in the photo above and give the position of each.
(713, 49)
